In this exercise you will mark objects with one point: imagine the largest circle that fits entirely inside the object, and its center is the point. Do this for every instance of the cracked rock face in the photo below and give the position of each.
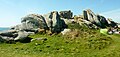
(13, 35)
(21, 35)
(54, 23)
(98, 20)
(90, 16)
(50, 21)
(31, 21)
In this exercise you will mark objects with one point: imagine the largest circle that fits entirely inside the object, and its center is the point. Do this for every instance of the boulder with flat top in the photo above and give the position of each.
(66, 14)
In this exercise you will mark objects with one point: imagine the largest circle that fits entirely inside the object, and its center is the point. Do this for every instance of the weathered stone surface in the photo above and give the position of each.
(1, 39)
(79, 17)
(17, 27)
(31, 21)
(8, 33)
(44, 39)
(22, 35)
(12, 35)
(118, 25)
(65, 31)
(66, 14)
(68, 21)
(30, 33)
(83, 22)
(103, 21)
(7, 38)
(90, 16)
(97, 20)
(54, 22)
(48, 19)
(111, 22)
(89, 24)
(31, 24)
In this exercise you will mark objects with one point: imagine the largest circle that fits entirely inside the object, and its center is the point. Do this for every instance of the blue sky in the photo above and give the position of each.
(11, 11)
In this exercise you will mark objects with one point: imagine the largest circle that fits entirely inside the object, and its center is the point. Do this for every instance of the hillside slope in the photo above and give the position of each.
(89, 43)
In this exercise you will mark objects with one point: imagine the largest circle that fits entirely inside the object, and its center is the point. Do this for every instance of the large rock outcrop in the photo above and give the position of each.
(53, 22)
(33, 23)
(50, 21)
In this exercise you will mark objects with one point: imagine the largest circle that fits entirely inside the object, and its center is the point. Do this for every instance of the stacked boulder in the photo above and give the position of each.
(33, 23)
(66, 14)
(91, 17)
(50, 21)
(14, 35)
(8, 35)
(55, 22)
(97, 21)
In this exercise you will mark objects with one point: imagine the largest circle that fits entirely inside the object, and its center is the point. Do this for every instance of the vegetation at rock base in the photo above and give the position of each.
(88, 43)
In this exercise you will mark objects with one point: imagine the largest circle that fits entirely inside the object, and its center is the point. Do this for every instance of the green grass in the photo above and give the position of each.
(89, 43)
(59, 46)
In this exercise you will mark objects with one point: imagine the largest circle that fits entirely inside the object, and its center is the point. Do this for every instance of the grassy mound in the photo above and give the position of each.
(84, 43)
